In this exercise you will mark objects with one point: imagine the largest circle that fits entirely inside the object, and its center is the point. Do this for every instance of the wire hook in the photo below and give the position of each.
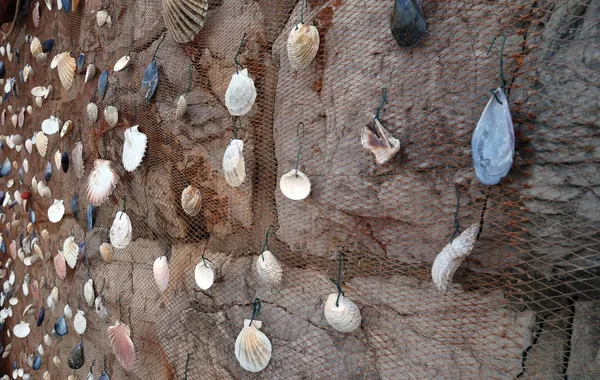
(187, 181)
(266, 244)
(339, 288)
(203, 251)
(255, 310)
(456, 222)
(187, 363)
(235, 59)
(124, 206)
(502, 79)
(156, 50)
(299, 144)
(189, 79)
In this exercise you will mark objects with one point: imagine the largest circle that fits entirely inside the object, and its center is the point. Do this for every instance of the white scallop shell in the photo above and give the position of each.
(56, 211)
(161, 272)
(134, 148)
(184, 18)
(191, 200)
(302, 45)
(66, 69)
(79, 322)
(101, 182)
(92, 112)
(345, 317)
(449, 259)
(240, 94)
(122, 63)
(67, 311)
(88, 292)
(295, 185)
(50, 126)
(234, 168)
(90, 73)
(383, 145)
(121, 231)
(269, 269)
(252, 347)
(21, 330)
(54, 62)
(106, 252)
(204, 274)
(111, 114)
(77, 160)
(70, 251)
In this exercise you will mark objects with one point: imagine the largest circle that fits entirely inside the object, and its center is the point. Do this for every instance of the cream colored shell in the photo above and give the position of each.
(204, 274)
(268, 268)
(134, 148)
(66, 69)
(160, 269)
(106, 251)
(384, 146)
(79, 322)
(295, 185)
(101, 17)
(92, 112)
(111, 114)
(88, 292)
(234, 168)
(41, 143)
(35, 47)
(191, 200)
(77, 160)
(181, 106)
(240, 94)
(121, 231)
(101, 182)
(184, 18)
(90, 73)
(345, 316)
(302, 45)
(56, 211)
(70, 251)
(252, 347)
(122, 63)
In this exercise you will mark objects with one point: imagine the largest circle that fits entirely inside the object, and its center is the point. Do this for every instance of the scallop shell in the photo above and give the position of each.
(302, 45)
(35, 47)
(119, 338)
(21, 330)
(101, 182)
(191, 200)
(252, 347)
(106, 252)
(88, 292)
(71, 251)
(77, 158)
(111, 114)
(377, 139)
(134, 148)
(122, 63)
(184, 18)
(345, 317)
(101, 17)
(56, 211)
(121, 231)
(90, 73)
(234, 168)
(240, 94)
(204, 274)
(181, 106)
(161, 272)
(92, 112)
(41, 143)
(66, 69)
(295, 185)
(268, 268)
(79, 322)
(449, 259)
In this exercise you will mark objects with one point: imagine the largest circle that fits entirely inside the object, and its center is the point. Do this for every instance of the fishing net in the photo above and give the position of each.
(524, 304)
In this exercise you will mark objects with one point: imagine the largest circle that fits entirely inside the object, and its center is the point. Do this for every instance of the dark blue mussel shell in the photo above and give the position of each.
(21, 77)
(5, 168)
(150, 80)
(76, 358)
(408, 23)
(66, 5)
(40, 318)
(60, 327)
(48, 173)
(64, 162)
(104, 375)
(90, 216)
(48, 45)
(2, 70)
(102, 84)
(74, 207)
(18, 56)
(37, 362)
(20, 175)
(80, 63)
(2, 194)
(3, 247)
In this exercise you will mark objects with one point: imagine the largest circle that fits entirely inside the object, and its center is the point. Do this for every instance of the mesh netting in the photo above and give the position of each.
(524, 303)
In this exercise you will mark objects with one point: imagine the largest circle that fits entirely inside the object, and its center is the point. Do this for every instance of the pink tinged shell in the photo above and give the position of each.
(60, 265)
(161, 272)
(36, 14)
(118, 336)
(101, 182)
(35, 290)
(13, 249)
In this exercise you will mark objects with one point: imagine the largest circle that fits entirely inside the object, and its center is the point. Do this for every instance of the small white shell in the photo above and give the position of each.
(57, 159)
(21, 330)
(111, 114)
(101, 17)
(40, 349)
(121, 231)
(268, 268)
(252, 347)
(302, 45)
(234, 168)
(181, 106)
(30, 111)
(56, 211)
(191, 200)
(28, 146)
(295, 185)
(48, 340)
(101, 309)
(161, 272)
(345, 317)
(50, 126)
(88, 292)
(39, 101)
(90, 73)
(383, 145)
(134, 148)
(204, 274)
(79, 322)
(122, 63)
(26, 165)
(57, 362)
(240, 94)
(67, 311)
(101, 182)
(54, 294)
(92, 112)
(70, 251)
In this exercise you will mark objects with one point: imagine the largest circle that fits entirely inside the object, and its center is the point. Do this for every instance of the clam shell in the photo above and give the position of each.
(79, 322)
(48, 340)
(77, 159)
(41, 143)
(67, 311)
(204, 274)
(70, 251)
(92, 112)
(35, 47)
(377, 139)
(15, 120)
(101, 182)
(21, 330)
(50, 126)
(111, 114)
(121, 231)
(101, 17)
(449, 259)
(295, 185)
(88, 292)
(161, 272)
(134, 148)
(252, 347)
(66, 69)
(56, 211)
(28, 146)
(184, 18)
(27, 71)
(26, 165)
(240, 94)
(345, 317)
(268, 268)
(119, 338)
(181, 106)
(101, 309)
(30, 111)
(106, 252)
(234, 168)
(90, 72)
(122, 63)
(302, 45)
(191, 200)
(41, 58)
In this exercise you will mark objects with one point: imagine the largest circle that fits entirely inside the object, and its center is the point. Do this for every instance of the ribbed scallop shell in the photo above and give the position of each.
(121, 231)
(41, 143)
(111, 114)
(268, 268)
(204, 275)
(161, 272)
(134, 148)
(92, 112)
(295, 185)
(101, 182)
(35, 47)
(184, 18)
(106, 251)
(181, 106)
(345, 317)
(191, 200)
(119, 338)
(66, 69)
(252, 347)
(56, 211)
(88, 292)
(383, 145)
(79, 322)
(71, 251)
(234, 168)
(77, 158)
(302, 45)
(240, 94)
(90, 73)
(449, 259)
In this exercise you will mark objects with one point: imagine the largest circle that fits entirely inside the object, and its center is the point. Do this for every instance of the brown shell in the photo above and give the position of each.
(302, 45)
(184, 18)
(191, 200)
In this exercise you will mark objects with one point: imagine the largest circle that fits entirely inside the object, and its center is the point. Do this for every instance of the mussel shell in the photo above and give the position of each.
(80, 62)
(60, 327)
(408, 23)
(90, 216)
(37, 362)
(74, 207)
(48, 173)
(64, 162)
(40, 318)
(102, 84)
(76, 357)
(48, 45)
(150, 80)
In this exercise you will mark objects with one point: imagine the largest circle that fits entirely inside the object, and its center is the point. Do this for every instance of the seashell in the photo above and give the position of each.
(27, 71)
(28, 146)
(121, 231)
(10, 183)
(377, 139)
(150, 80)
(106, 252)
(90, 72)
(109, 21)
(345, 316)
(184, 19)
(60, 326)
(67, 311)
(30, 111)
(295, 185)
(111, 114)
(21, 330)
(493, 141)
(66, 128)
(92, 112)
(101, 17)
(75, 207)
(41, 143)
(302, 45)
(80, 62)
(5, 168)
(101, 310)
(54, 294)
(161, 272)
(90, 216)
(35, 290)
(66, 69)
(70, 251)
(48, 172)
(234, 168)
(48, 45)
(240, 94)
(57, 158)
(56, 211)
(101, 182)
(191, 200)
(40, 349)
(26, 165)
(119, 338)
(35, 47)
(181, 106)
(88, 292)
(38, 101)
(77, 158)
(42, 58)
(37, 363)
(36, 14)
(134, 148)
(122, 63)
(13, 253)
(48, 340)
(15, 120)
(79, 322)
(57, 362)
(408, 23)
(64, 162)
(449, 259)
(76, 356)
(204, 274)
(46, 375)
(50, 126)
(21, 122)
(268, 268)
(102, 84)
(252, 347)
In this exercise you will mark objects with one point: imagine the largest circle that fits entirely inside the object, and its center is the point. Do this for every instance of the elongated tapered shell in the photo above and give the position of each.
(252, 347)
(191, 200)
(66, 128)
(345, 316)
(90, 73)
(122, 63)
(302, 45)
(295, 185)
(377, 139)
(240, 94)
(71, 251)
(38, 101)
(121, 230)
(88, 292)
(119, 338)
(35, 47)
(234, 168)
(134, 148)
(111, 114)
(181, 106)
(77, 159)
(449, 259)
(268, 268)
(41, 143)
(92, 112)
(184, 18)
(66, 69)
(160, 269)
(101, 182)
(106, 251)
(79, 322)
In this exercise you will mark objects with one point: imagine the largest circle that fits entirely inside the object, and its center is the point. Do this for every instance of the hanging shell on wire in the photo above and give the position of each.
(160, 269)
(66, 69)
(88, 292)
(345, 316)
(268, 268)
(66, 128)
(150, 80)
(122, 63)
(70, 251)
(234, 168)
(121, 231)
(60, 265)
(302, 45)
(35, 47)
(79, 322)
(101, 182)
(449, 259)
(295, 185)
(184, 18)
(252, 347)
(119, 338)
(240, 94)
(181, 106)
(106, 252)
(101, 17)
(101, 309)
(377, 139)
(92, 112)
(204, 275)
(134, 148)
(56, 211)
(111, 114)
(90, 72)
(191, 200)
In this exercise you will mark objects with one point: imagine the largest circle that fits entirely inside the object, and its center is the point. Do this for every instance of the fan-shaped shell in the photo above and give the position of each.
(21, 330)
(90, 72)
(36, 49)
(377, 139)
(88, 292)
(449, 259)
(66, 69)
(234, 168)
(134, 148)
(191, 200)
(252, 347)
(161, 272)
(77, 159)
(121, 231)
(302, 45)
(268, 268)
(56, 211)
(41, 143)
(79, 322)
(111, 114)
(70, 251)
(181, 106)
(92, 112)
(240, 94)
(122, 63)
(345, 316)
(295, 185)
(184, 18)
(119, 338)
(106, 252)
(204, 274)
(101, 182)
